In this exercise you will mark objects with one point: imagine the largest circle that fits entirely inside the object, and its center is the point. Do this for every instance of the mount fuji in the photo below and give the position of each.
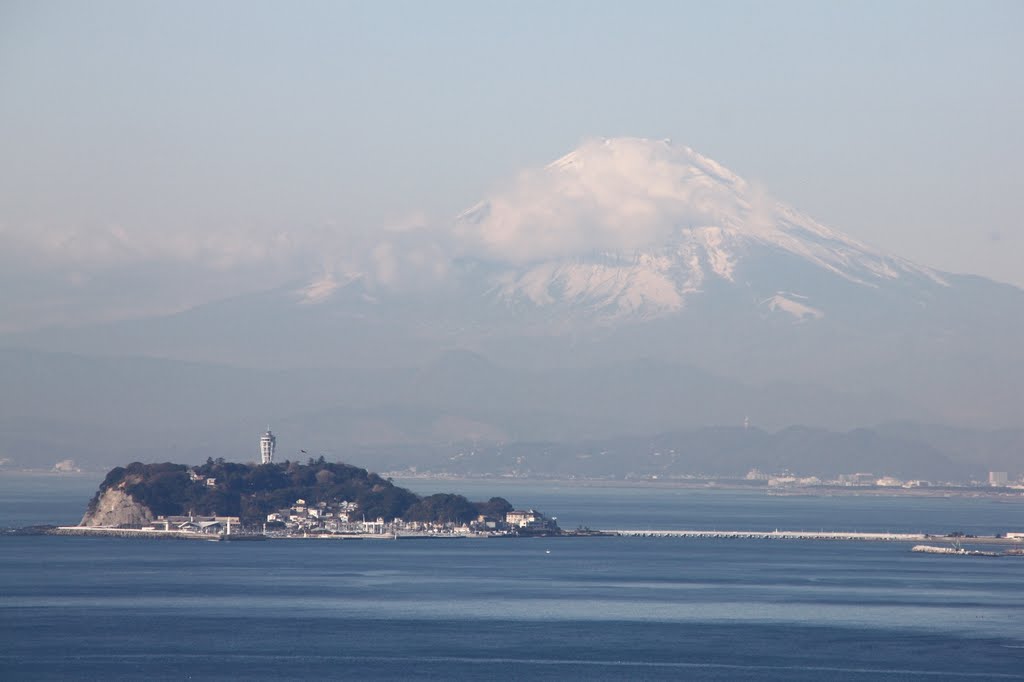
(636, 254)
(635, 229)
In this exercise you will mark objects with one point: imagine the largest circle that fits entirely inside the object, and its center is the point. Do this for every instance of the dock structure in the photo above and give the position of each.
(772, 535)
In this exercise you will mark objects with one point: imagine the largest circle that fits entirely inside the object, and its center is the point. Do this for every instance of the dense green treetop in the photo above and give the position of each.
(252, 491)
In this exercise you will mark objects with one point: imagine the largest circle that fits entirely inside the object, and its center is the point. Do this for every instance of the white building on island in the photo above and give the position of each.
(521, 517)
(267, 444)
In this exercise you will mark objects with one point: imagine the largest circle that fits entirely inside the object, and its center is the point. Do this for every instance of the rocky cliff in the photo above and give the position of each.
(116, 508)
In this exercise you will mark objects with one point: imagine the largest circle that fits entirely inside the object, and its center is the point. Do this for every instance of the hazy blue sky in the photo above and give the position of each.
(192, 150)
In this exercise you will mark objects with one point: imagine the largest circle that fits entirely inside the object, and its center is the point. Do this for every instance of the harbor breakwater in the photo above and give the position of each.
(97, 531)
(807, 535)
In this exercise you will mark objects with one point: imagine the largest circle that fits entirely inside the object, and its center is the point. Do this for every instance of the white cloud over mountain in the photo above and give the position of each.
(608, 195)
(118, 245)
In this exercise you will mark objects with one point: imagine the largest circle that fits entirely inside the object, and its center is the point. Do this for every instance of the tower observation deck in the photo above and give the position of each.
(267, 444)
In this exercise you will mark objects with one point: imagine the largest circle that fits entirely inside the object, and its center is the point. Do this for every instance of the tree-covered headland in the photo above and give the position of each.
(251, 491)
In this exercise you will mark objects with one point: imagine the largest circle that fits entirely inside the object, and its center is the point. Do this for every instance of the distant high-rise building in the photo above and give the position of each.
(267, 444)
(998, 479)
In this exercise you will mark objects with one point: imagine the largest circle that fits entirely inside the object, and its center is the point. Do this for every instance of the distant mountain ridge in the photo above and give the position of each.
(730, 452)
(427, 417)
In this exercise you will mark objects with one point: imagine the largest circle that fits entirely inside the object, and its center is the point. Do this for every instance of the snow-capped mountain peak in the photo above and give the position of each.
(635, 227)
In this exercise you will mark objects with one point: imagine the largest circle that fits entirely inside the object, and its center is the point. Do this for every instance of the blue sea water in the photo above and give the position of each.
(548, 609)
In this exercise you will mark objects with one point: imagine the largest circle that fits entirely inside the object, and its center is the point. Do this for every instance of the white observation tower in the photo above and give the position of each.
(267, 444)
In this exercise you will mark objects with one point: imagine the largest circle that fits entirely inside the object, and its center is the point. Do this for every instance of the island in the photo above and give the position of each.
(228, 500)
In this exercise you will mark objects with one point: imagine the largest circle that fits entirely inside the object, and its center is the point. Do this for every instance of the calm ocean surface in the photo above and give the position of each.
(565, 608)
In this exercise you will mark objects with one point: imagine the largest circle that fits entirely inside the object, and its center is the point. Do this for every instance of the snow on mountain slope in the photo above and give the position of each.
(634, 227)
(784, 302)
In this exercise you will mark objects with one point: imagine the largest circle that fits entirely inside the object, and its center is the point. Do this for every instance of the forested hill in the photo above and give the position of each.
(252, 491)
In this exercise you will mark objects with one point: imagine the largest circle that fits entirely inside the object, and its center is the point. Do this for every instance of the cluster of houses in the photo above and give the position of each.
(335, 518)
(341, 518)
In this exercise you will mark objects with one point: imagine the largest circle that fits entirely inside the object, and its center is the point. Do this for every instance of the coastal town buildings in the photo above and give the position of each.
(339, 520)
(343, 519)
(210, 525)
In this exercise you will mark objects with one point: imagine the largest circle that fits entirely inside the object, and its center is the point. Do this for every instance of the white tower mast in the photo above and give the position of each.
(267, 444)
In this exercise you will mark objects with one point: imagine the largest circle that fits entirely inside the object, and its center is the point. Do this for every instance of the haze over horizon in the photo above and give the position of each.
(577, 224)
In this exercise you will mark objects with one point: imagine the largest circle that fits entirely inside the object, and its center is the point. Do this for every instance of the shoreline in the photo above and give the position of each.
(100, 531)
(680, 534)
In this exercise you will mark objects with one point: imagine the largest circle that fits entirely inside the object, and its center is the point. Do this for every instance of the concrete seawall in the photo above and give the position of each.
(96, 531)
(806, 535)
